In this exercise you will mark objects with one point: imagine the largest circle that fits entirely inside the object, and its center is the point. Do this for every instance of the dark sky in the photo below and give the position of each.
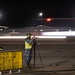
(25, 13)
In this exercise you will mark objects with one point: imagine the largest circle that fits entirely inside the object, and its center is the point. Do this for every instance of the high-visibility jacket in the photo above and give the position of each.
(28, 43)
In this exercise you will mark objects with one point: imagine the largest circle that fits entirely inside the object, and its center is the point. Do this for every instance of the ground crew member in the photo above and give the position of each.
(28, 44)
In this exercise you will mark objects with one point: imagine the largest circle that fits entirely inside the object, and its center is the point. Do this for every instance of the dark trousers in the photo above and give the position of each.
(28, 55)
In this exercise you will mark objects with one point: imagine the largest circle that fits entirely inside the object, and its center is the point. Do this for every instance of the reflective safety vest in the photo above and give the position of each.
(28, 45)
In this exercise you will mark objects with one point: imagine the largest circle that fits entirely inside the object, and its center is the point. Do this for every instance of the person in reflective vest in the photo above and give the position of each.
(28, 49)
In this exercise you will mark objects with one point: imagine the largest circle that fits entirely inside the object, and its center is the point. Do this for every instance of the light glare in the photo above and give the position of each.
(40, 14)
(63, 33)
(23, 37)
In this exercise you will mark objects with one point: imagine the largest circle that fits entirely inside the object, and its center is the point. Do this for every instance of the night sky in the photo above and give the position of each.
(22, 13)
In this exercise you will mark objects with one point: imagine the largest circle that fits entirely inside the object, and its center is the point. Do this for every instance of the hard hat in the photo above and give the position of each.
(1, 48)
(29, 35)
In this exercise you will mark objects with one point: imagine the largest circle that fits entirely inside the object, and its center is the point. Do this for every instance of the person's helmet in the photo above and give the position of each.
(29, 34)
(1, 48)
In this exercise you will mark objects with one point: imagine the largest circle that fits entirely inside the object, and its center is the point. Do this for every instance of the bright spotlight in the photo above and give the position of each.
(40, 14)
